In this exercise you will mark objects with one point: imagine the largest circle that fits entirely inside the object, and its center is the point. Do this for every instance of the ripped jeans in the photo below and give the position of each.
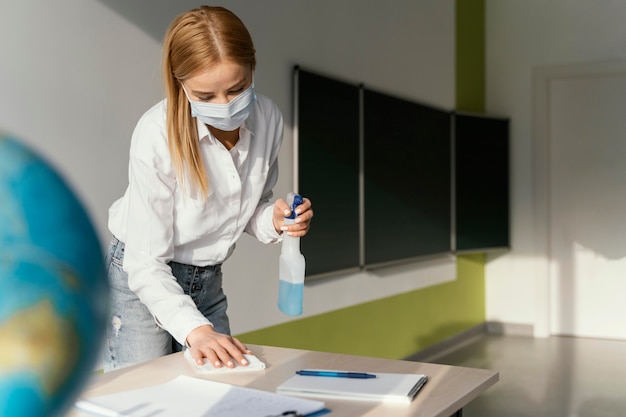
(133, 335)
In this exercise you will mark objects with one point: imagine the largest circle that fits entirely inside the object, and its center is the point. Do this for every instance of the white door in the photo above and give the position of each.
(587, 205)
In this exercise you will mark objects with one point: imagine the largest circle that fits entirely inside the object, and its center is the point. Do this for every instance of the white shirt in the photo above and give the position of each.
(160, 222)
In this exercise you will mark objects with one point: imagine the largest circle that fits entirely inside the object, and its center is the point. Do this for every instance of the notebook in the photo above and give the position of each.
(391, 387)
(254, 364)
(196, 397)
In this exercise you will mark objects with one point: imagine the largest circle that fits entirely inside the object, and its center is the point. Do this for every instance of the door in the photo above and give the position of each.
(587, 205)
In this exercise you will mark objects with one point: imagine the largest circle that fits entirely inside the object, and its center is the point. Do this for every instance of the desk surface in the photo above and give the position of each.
(449, 388)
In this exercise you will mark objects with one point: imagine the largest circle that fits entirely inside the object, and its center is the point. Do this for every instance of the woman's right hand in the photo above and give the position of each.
(302, 222)
(219, 349)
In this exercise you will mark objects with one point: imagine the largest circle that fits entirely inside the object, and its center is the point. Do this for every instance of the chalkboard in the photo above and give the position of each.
(482, 182)
(327, 122)
(407, 179)
(393, 180)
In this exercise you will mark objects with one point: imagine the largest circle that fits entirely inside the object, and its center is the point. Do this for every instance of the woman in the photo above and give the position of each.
(203, 163)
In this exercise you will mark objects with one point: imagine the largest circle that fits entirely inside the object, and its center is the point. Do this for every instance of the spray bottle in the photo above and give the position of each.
(291, 266)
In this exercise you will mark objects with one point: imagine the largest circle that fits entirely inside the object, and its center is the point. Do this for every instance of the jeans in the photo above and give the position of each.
(133, 335)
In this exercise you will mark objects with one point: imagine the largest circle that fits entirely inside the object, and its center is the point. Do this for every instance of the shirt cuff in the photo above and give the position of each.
(266, 231)
(183, 325)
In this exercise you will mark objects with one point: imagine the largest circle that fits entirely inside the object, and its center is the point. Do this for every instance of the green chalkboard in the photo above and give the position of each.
(407, 176)
(393, 180)
(327, 122)
(482, 182)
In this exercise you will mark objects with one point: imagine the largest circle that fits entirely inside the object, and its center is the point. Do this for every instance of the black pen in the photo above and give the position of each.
(336, 374)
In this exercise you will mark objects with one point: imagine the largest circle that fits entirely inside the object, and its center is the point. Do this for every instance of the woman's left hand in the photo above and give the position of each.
(302, 222)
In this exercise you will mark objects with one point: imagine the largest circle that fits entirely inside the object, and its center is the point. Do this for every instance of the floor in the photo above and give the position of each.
(553, 377)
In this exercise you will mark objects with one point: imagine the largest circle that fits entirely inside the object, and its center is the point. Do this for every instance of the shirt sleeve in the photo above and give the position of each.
(149, 234)
(260, 224)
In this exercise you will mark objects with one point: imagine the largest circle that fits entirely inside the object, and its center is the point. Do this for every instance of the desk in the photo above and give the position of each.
(449, 387)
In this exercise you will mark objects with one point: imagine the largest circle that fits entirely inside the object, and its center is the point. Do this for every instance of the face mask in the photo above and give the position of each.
(227, 116)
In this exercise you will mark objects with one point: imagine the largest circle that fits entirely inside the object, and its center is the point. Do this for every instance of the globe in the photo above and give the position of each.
(53, 289)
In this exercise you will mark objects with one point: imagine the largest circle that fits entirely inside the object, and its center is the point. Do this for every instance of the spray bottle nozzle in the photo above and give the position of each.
(294, 200)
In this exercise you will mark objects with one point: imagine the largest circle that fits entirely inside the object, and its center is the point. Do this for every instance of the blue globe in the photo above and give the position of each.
(53, 288)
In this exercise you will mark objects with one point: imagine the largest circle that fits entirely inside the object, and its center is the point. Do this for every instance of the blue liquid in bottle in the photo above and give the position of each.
(290, 297)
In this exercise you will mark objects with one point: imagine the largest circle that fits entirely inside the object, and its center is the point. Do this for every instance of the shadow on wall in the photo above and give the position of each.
(151, 16)
(594, 219)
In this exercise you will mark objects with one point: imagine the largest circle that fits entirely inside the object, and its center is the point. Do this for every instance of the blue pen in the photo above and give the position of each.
(335, 374)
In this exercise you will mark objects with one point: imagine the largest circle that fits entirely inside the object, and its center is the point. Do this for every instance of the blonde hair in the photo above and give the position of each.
(195, 40)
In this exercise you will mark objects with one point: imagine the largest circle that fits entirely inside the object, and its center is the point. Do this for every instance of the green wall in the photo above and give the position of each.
(470, 55)
(393, 327)
(398, 326)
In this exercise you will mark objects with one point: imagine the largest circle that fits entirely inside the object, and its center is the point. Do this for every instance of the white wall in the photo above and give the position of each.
(523, 36)
(74, 78)
(76, 75)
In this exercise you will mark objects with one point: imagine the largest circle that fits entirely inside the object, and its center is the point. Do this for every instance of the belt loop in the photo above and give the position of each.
(117, 248)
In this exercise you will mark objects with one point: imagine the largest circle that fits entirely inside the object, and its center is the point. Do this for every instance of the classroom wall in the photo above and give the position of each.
(75, 76)
(522, 36)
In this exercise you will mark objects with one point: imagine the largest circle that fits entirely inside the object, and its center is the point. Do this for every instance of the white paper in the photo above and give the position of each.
(385, 387)
(254, 364)
(194, 397)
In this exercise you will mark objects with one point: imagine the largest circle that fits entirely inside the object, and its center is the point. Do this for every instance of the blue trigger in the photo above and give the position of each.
(297, 200)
